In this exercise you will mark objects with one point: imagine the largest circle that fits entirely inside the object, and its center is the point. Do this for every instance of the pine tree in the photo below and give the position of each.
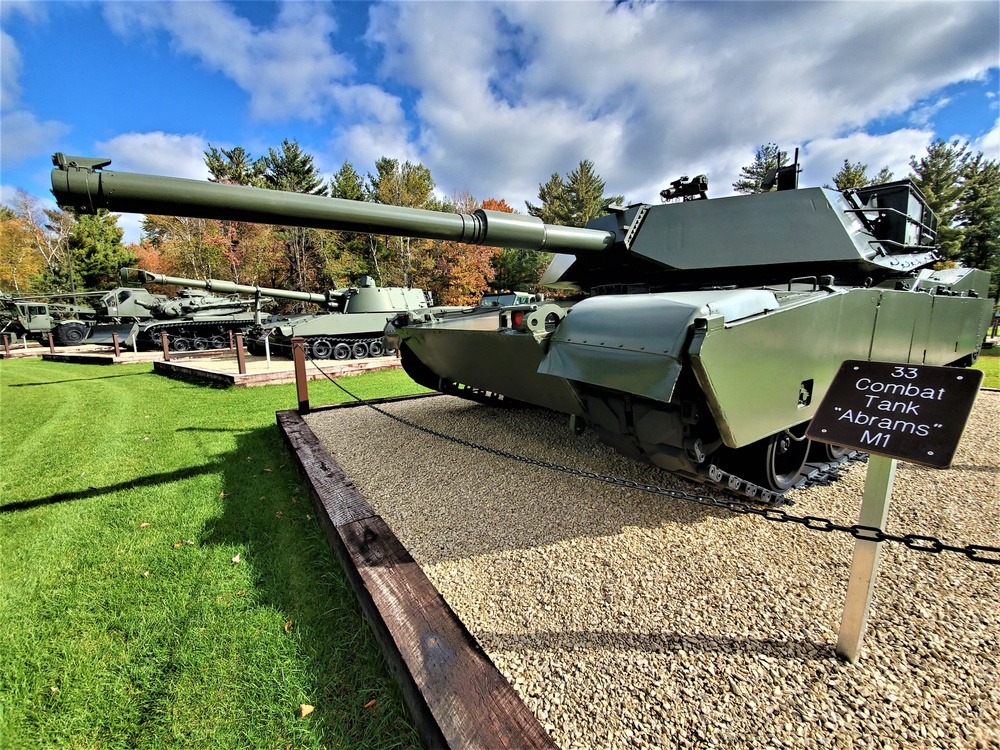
(235, 166)
(292, 169)
(555, 202)
(940, 176)
(96, 252)
(572, 201)
(979, 217)
(353, 257)
(856, 175)
(751, 180)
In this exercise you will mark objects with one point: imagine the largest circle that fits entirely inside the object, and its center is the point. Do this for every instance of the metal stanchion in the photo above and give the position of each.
(267, 351)
(301, 383)
(241, 356)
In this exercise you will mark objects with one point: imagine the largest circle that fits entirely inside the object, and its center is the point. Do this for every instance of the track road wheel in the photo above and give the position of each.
(71, 334)
(321, 349)
(217, 341)
(375, 349)
(181, 344)
(199, 344)
(341, 351)
(359, 350)
(774, 462)
(826, 453)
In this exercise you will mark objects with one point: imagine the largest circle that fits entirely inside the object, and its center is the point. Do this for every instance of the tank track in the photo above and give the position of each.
(813, 474)
(214, 333)
(343, 348)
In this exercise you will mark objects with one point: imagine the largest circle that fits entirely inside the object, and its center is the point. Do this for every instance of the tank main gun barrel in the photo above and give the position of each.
(83, 183)
(137, 275)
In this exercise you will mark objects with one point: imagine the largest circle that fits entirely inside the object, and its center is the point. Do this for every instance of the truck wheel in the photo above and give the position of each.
(71, 334)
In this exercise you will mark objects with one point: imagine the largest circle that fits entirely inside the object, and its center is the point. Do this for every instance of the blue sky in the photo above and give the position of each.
(495, 97)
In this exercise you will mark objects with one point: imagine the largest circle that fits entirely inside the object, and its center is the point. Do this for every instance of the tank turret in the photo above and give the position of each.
(705, 332)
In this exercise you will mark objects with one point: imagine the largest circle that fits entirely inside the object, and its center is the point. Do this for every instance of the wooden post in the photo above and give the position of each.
(241, 356)
(6, 345)
(230, 332)
(114, 340)
(301, 383)
(864, 567)
(52, 346)
(166, 346)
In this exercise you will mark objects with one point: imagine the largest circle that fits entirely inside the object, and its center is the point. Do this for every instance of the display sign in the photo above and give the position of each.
(911, 412)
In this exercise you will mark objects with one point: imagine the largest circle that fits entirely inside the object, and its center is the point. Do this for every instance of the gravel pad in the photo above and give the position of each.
(626, 619)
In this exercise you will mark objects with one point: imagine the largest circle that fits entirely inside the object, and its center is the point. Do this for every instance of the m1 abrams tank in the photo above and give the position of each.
(350, 325)
(711, 330)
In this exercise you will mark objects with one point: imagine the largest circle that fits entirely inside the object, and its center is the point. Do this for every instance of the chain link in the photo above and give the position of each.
(918, 542)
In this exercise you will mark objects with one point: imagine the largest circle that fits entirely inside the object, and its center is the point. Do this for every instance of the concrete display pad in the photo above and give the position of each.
(224, 369)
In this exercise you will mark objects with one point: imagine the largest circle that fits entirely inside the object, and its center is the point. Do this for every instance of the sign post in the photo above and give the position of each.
(915, 413)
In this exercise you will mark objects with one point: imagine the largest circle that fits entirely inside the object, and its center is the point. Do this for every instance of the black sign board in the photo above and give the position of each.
(911, 412)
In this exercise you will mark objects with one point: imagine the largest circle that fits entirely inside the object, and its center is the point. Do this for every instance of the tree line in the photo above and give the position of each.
(46, 251)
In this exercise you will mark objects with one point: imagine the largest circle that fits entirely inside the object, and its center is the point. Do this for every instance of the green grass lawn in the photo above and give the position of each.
(989, 363)
(125, 498)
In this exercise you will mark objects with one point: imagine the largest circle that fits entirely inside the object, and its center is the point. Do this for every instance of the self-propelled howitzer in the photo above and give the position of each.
(710, 331)
(349, 326)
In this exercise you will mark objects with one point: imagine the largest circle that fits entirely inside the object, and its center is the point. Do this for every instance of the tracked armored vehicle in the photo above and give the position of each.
(350, 325)
(193, 320)
(710, 329)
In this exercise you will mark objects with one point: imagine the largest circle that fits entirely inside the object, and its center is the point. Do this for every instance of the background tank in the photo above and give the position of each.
(193, 319)
(712, 328)
(350, 325)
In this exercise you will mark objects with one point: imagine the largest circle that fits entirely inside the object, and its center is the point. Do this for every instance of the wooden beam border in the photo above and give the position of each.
(456, 695)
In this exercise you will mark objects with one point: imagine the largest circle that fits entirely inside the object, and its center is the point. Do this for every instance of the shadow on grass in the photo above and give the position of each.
(150, 481)
(77, 380)
(268, 514)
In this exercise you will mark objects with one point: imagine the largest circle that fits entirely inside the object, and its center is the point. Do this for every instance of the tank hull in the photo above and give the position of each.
(700, 377)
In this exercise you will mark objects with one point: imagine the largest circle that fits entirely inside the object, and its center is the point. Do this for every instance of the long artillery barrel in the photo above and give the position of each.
(130, 275)
(84, 184)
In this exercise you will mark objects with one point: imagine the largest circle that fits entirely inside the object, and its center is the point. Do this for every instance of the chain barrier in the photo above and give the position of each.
(918, 542)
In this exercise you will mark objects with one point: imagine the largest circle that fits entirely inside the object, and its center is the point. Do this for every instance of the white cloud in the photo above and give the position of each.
(10, 72)
(154, 153)
(24, 135)
(289, 70)
(652, 91)
(823, 157)
(157, 153)
(989, 143)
